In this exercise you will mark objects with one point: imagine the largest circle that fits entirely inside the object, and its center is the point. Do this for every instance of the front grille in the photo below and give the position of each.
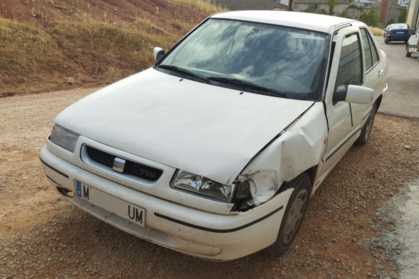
(131, 167)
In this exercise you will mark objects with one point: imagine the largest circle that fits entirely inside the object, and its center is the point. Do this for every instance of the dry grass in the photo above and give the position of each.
(377, 31)
(26, 50)
(93, 43)
(39, 55)
(205, 6)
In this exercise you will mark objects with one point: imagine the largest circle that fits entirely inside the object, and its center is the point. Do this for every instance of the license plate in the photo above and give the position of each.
(399, 32)
(110, 203)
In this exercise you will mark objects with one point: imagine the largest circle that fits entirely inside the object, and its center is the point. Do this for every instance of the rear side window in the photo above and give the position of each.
(350, 63)
(374, 52)
(371, 55)
(367, 49)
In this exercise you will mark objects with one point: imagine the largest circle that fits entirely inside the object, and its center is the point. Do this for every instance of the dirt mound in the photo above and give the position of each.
(96, 42)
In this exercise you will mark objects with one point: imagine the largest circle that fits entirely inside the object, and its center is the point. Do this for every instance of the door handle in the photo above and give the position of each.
(380, 73)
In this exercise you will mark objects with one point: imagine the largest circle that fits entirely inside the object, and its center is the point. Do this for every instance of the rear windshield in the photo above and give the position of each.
(399, 26)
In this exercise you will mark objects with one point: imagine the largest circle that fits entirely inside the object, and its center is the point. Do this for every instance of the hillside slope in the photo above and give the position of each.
(95, 42)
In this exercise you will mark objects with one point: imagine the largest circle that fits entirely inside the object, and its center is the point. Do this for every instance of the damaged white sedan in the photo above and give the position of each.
(217, 149)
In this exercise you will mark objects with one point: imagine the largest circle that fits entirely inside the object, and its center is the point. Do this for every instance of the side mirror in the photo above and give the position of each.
(158, 53)
(353, 94)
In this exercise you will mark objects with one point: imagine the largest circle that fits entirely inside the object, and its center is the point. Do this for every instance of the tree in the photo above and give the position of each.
(311, 9)
(402, 16)
(370, 18)
(332, 4)
(342, 14)
(353, 6)
(391, 21)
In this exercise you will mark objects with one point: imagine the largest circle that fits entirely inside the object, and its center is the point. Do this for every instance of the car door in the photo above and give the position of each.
(374, 73)
(347, 68)
(413, 41)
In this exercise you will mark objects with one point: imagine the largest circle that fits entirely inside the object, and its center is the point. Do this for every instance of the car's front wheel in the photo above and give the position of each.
(293, 216)
(366, 130)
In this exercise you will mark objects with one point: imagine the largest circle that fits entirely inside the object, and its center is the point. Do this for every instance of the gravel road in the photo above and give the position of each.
(44, 236)
(400, 238)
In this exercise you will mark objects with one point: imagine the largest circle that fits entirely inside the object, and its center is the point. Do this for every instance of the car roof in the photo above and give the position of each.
(314, 22)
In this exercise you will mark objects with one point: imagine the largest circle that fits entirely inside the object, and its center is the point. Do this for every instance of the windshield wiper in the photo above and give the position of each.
(271, 92)
(182, 71)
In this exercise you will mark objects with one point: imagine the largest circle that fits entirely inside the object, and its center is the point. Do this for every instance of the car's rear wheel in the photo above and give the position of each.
(366, 130)
(293, 216)
(408, 54)
(386, 40)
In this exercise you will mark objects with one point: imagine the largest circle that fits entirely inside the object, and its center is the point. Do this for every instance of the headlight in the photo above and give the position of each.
(64, 138)
(202, 185)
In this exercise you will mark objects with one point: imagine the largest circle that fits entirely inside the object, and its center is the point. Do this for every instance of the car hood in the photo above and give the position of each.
(200, 128)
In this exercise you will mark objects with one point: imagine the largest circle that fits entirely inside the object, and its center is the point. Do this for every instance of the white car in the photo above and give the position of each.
(216, 150)
(412, 44)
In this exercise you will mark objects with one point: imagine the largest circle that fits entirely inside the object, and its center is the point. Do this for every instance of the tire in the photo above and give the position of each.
(366, 130)
(386, 40)
(408, 54)
(291, 224)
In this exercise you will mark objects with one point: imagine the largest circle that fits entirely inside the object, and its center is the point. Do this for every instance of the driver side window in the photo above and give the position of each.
(350, 63)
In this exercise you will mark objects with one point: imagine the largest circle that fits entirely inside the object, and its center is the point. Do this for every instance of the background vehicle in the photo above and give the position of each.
(412, 44)
(397, 32)
(385, 30)
(217, 149)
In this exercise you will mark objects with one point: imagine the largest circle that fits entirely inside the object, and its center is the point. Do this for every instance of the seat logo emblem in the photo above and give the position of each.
(119, 165)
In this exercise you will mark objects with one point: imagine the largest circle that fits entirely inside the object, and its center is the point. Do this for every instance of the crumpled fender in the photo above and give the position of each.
(297, 149)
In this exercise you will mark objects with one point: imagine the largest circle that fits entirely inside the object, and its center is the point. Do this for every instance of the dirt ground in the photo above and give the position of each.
(44, 236)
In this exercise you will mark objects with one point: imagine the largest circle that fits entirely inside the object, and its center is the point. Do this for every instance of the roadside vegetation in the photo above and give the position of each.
(369, 17)
(42, 43)
(377, 31)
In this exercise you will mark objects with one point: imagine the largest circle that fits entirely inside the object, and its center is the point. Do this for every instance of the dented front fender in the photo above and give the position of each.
(296, 150)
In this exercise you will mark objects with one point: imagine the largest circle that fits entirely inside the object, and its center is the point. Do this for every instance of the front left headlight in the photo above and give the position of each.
(203, 186)
(64, 138)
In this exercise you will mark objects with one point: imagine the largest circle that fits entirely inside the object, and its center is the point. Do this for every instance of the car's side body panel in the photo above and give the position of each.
(342, 132)
(412, 44)
(346, 120)
(298, 148)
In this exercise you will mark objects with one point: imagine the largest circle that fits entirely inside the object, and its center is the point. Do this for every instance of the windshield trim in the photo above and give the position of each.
(325, 59)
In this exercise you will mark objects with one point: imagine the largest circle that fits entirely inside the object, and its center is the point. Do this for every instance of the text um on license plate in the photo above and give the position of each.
(110, 203)
(399, 32)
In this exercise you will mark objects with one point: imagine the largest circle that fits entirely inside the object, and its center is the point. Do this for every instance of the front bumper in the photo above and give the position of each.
(169, 224)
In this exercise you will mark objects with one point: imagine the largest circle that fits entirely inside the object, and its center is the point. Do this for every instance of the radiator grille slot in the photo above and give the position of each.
(132, 168)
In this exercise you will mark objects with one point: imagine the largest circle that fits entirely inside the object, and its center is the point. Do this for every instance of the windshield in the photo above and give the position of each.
(251, 56)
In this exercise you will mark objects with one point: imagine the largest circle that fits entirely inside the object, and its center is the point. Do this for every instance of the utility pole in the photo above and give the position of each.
(290, 5)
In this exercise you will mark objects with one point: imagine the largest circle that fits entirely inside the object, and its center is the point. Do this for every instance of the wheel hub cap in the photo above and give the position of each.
(295, 216)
